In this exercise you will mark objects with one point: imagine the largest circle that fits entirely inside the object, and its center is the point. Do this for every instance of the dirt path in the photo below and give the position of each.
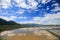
(42, 35)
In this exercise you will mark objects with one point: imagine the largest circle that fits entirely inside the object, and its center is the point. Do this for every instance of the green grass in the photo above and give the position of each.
(1, 38)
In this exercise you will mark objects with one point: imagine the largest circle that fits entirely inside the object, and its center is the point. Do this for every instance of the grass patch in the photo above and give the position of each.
(9, 27)
(1, 38)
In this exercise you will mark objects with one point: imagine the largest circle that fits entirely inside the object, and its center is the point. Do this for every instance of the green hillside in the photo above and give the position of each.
(8, 25)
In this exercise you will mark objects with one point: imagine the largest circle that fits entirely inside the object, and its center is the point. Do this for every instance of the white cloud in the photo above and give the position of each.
(48, 8)
(23, 5)
(5, 18)
(19, 1)
(22, 17)
(20, 12)
(29, 22)
(8, 18)
(49, 19)
(56, 9)
(13, 17)
(43, 1)
(5, 3)
(56, 4)
(31, 4)
(4, 13)
(48, 1)
(52, 19)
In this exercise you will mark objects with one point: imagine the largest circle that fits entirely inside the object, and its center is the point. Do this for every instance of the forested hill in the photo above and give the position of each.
(8, 25)
(4, 22)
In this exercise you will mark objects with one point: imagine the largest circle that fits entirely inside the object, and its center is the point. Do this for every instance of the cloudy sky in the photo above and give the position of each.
(46, 12)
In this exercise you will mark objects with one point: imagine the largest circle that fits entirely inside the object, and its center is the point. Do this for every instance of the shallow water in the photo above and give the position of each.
(56, 31)
(33, 31)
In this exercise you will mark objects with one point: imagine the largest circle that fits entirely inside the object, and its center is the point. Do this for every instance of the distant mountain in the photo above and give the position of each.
(12, 22)
(4, 22)
(38, 25)
(31, 25)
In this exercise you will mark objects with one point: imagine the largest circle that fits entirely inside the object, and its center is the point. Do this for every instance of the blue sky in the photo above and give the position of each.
(46, 12)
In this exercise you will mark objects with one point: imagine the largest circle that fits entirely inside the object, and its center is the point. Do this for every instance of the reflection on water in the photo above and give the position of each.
(26, 30)
(32, 30)
(56, 31)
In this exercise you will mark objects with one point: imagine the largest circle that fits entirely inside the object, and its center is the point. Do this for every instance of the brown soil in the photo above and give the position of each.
(30, 37)
(44, 36)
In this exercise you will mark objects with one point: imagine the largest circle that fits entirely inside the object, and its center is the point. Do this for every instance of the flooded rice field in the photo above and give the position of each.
(56, 31)
(31, 33)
